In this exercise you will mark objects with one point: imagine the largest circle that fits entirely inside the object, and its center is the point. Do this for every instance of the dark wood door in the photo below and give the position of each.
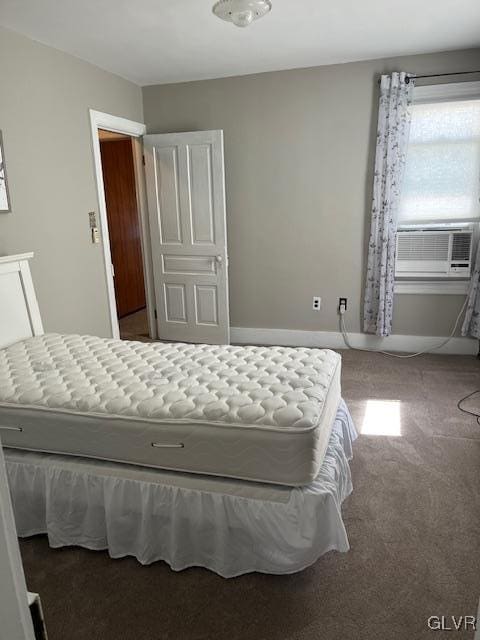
(123, 224)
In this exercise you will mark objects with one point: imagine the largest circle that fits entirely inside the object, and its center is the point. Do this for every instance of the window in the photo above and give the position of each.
(442, 170)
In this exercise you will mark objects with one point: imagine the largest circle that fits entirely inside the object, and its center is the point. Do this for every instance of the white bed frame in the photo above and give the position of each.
(19, 311)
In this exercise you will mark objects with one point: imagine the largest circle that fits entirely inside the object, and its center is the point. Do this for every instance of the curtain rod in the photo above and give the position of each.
(441, 75)
(438, 75)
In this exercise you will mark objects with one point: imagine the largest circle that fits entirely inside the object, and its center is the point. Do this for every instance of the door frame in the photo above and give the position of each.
(108, 122)
(14, 610)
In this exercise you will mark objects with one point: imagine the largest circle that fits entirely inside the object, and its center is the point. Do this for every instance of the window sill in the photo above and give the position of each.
(458, 287)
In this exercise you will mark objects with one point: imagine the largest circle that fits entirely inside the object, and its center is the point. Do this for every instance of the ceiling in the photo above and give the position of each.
(159, 41)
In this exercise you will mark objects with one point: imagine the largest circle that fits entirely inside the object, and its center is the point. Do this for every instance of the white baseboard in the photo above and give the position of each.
(334, 340)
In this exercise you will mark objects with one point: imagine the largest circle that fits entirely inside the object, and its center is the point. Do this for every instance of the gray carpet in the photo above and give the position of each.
(413, 523)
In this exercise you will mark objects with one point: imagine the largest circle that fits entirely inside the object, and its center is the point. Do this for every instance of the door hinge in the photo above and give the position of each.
(113, 270)
(155, 314)
(143, 159)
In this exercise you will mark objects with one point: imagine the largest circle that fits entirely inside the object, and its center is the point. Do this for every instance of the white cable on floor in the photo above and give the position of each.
(396, 355)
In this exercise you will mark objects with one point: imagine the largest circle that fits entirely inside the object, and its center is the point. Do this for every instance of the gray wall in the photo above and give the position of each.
(299, 151)
(44, 100)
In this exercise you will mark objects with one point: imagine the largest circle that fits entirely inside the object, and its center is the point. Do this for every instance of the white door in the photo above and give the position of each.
(186, 203)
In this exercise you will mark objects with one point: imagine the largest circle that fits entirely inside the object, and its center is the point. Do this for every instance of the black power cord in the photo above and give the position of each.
(470, 413)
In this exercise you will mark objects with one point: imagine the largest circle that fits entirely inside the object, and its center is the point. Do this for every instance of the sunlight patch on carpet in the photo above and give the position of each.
(382, 418)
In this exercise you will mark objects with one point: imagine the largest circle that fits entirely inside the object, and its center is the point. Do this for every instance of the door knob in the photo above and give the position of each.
(219, 259)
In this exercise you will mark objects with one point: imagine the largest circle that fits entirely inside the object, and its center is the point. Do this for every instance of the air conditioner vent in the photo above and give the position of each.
(461, 247)
(422, 246)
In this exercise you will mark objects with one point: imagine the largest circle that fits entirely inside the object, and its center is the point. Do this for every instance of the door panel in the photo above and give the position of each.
(188, 264)
(206, 304)
(200, 175)
(123, 224)
(186, 202)
(168, 195)
(175, 305)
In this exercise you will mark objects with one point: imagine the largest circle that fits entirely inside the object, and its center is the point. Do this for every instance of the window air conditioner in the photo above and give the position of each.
(434, 251)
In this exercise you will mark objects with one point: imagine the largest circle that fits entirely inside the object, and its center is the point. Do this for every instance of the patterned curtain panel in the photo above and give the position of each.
(392, 141)
(471, 323)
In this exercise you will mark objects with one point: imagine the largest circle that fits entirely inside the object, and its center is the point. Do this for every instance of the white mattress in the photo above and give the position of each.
(255, 413)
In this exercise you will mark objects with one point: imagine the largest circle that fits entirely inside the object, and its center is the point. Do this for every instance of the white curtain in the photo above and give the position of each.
(471, 323)
(392, 141)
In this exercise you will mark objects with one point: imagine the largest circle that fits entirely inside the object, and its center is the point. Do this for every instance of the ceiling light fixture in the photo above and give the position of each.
(241, 12)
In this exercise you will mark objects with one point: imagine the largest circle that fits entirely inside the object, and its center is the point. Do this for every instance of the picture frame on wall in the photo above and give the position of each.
(5, 206)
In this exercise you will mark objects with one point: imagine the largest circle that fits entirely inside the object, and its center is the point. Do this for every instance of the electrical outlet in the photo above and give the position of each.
(317, 301)
(342, 305)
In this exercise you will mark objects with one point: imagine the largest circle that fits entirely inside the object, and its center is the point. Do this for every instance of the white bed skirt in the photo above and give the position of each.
(228, 526)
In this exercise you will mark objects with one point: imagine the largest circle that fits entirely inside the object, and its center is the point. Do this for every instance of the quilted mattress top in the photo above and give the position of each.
(264, 387)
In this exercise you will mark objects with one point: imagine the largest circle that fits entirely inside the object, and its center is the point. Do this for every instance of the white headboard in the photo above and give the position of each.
(19, 312)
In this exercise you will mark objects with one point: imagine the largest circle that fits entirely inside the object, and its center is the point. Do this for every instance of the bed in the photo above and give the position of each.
(262, 427)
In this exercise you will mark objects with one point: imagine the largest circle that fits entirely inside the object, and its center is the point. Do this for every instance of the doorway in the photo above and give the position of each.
(118, 170)
(125, 233)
